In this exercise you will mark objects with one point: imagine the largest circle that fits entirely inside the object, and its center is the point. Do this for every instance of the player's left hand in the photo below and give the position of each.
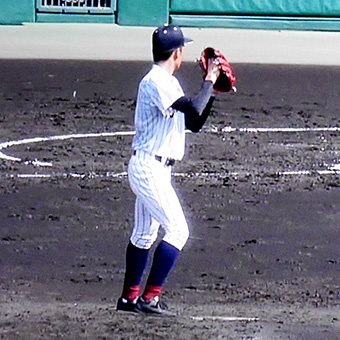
(226, 79)
(213, 70)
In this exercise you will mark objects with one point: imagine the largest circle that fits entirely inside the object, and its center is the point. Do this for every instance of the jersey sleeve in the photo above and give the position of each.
(164, 93)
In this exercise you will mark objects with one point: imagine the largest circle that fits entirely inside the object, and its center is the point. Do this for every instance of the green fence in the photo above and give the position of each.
(313, 8)
(263, 14)
(143, 12)
(16, 12)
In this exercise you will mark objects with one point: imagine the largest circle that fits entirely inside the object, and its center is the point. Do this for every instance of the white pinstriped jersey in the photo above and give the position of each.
(160, 130)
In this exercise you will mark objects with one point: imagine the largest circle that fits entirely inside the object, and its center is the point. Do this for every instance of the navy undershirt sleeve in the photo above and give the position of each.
(196, 109)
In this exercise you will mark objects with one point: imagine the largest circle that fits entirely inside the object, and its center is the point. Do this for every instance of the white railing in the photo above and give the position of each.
(75, 5)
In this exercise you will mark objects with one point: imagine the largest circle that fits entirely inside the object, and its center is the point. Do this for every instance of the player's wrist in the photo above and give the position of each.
(212, 77)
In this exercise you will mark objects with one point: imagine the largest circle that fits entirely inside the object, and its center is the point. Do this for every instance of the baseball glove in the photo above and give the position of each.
(226, 80)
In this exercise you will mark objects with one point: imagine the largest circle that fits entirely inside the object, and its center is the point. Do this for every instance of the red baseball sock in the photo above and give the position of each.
(131, 293)
(151, 291)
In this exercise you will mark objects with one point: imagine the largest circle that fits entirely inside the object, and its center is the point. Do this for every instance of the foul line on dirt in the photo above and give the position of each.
(286, 130)
(335, 170)
(222, 318)
(73, 175)
(332, 170)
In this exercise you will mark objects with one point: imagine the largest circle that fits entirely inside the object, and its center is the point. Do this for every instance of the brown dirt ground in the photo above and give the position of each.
(262, 245)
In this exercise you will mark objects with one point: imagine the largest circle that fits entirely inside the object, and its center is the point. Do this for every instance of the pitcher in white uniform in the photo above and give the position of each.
(162, 115)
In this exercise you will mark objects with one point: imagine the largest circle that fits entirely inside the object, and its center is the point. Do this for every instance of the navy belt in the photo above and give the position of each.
(168, 161)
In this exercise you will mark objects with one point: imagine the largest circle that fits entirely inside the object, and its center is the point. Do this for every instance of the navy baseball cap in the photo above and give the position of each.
(167, 38)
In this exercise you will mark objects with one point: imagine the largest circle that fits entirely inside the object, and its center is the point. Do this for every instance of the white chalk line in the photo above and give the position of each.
(6, 145)
(226, 129)
(223, 318)
(335, 169)
(283, 130)
(71, 175)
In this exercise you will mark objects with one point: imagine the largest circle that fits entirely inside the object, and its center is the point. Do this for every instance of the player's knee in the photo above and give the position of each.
(177, 238)
(185, 237)
(143, 241)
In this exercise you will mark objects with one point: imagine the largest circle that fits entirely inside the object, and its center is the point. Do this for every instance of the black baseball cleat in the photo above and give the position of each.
(127, 306)
(154, 306)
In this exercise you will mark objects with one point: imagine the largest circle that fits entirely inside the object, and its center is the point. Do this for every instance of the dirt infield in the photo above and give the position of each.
(263, 258)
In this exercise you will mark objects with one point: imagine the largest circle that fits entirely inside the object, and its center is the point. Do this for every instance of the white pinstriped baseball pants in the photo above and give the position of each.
(157, 204)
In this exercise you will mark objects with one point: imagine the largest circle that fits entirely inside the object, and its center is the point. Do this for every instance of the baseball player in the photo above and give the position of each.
(162, 114)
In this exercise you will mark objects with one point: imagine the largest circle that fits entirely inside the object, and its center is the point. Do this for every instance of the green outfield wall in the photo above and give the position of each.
(260, 14)
(17, 11)
(143, 13)
(258, 7)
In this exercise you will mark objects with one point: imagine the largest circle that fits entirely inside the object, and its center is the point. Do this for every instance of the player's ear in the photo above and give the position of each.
(176, 52)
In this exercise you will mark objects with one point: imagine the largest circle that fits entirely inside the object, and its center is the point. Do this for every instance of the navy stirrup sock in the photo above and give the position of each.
(163, 260)
(136, 260)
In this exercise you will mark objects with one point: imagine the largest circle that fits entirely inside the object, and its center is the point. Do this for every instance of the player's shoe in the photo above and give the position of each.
(154, 306)
(127, 306)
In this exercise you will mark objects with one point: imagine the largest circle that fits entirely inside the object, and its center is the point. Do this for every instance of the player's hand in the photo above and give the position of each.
(213, 70)
(223, 80)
